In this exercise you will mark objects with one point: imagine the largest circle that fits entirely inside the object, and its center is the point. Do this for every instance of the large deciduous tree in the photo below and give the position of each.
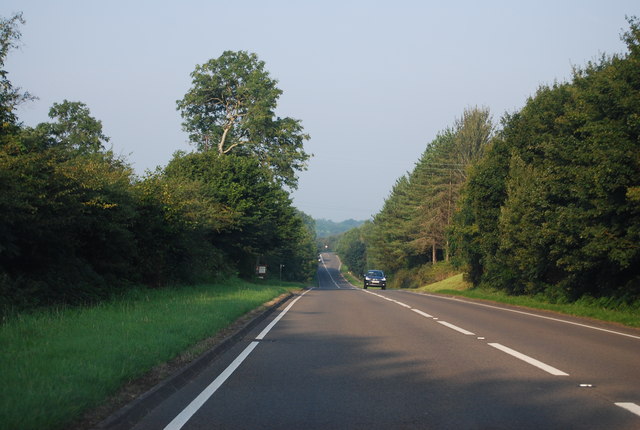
(230, 109)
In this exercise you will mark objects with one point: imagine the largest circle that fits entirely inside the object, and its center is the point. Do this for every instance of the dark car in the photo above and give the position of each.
(375, 278)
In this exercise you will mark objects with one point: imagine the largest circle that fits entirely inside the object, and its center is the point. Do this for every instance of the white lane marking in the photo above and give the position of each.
(266, 330)
(403, 304)
(456, 328)
(424, 314)
(530, 314)
(179, 421)
(186, 414)
(531, 361)
(631, 407)
(329, 273)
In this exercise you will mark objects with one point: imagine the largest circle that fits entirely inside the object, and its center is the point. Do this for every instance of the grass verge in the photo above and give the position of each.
(344, 270)
(590, 308)
(57, 364)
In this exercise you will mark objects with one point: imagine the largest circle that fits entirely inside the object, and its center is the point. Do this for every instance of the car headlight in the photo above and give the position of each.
(383, 279)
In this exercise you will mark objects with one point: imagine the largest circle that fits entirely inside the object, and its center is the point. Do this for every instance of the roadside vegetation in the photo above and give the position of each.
(105, 274)
(78, 226)
(544, 206)
(603, 309)
(326, 228)
(60, 362)
(350, 276)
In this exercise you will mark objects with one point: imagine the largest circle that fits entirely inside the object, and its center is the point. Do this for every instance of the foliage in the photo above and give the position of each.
(552, 209)
(10, 97)
(261, 220)
(326, 227)
(412, 228)
(79, 227)
(66, 233)
(230, 107)
(74, 128)
(352, 247)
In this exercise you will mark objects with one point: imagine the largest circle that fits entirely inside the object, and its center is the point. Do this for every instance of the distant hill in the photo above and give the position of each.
(326, 228)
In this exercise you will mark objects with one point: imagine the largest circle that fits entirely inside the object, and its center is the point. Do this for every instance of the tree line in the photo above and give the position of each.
(547, 203)
(78, 225)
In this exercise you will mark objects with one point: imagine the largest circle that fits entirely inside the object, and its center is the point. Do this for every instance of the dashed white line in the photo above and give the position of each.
(529, 314)
(631, 407)
(531, 361)
(404, 305)
(456, 328)
(424, 314)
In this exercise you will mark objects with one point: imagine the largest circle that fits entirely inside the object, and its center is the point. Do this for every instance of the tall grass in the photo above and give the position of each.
(56, 364)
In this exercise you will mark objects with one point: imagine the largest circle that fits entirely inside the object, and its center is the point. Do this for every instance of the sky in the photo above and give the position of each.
(373, 82)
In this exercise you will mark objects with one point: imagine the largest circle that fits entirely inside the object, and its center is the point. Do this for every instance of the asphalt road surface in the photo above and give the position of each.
(339, 357)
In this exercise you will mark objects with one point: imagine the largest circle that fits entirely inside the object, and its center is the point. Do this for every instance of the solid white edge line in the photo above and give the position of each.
(631, 407)
(424, 314)
(179, 421)
(531, 361)
(329, 273)
(268, 328)
(193, 407)
(529, 314)
(456, 328)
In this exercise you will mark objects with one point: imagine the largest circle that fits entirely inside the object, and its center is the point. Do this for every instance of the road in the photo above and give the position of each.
(339, 357)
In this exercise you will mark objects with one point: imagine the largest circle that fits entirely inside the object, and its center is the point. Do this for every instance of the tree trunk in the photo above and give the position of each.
(222, 139)
(446, 251)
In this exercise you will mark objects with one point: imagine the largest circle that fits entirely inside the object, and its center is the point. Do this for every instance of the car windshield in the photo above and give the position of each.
(376, 273)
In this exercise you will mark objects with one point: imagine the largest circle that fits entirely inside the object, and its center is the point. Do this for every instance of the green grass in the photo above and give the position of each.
(57, 364)
(344, 269)
(455, 283)
(590, 308)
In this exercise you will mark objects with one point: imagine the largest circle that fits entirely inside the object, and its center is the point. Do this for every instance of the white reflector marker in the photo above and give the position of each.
(531, 361)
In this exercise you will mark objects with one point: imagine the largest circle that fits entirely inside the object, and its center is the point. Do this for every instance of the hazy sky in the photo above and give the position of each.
(373, 82)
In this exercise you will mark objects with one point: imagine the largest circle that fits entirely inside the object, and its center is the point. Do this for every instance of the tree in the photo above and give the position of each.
(352, 247)
(74, 128)
(230, 108)
(471, 132)
(256, 217)
(10, 97)
(388, 247)
(553, 207)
